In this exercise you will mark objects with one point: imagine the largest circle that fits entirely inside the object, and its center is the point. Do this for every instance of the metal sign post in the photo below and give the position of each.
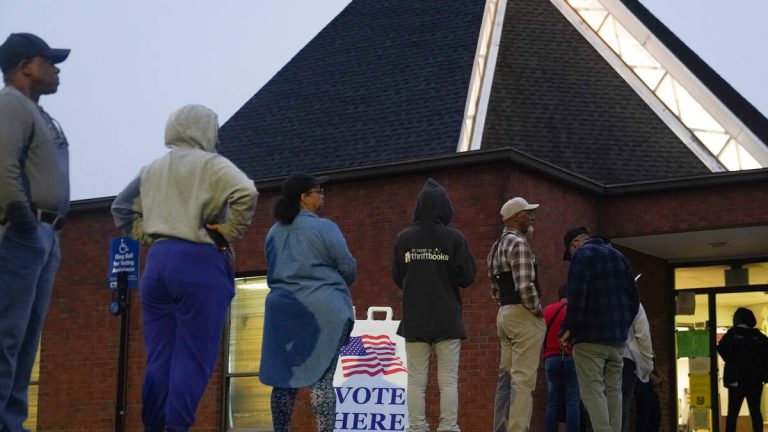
(122, 298)
(123, 274)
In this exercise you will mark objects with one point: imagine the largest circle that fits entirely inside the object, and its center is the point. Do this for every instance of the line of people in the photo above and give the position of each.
(192, 204)
(602, 304)
(584, 344)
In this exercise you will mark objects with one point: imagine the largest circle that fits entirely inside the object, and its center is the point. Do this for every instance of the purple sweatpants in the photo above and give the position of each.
(185, 292)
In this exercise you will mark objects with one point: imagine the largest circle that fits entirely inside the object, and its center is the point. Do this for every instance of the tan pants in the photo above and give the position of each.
(447, 352)
(521, 335)
(599, 369)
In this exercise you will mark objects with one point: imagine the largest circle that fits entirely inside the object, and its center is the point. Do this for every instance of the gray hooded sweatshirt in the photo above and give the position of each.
(191, 186)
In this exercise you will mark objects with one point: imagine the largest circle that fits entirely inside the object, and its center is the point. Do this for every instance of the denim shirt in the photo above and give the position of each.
(309, 306)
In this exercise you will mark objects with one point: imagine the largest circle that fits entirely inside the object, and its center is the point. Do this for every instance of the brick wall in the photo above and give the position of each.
(79, 357)
(660, 212)
(657, 297)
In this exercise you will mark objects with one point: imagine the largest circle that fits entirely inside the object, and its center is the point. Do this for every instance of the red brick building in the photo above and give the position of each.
(390, 94)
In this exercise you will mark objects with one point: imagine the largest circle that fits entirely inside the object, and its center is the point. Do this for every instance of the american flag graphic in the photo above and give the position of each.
(370, 355)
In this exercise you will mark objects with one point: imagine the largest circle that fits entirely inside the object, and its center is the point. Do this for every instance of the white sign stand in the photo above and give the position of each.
(371, 377)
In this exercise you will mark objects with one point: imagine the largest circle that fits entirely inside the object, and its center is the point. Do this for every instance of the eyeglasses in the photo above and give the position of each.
(319, 191)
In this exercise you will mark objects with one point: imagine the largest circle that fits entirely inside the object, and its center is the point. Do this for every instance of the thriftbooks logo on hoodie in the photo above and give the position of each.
(371, 377)
(426, 255)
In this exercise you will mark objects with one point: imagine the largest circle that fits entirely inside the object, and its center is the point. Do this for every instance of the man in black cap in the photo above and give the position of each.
(602, 304)
(34, 199)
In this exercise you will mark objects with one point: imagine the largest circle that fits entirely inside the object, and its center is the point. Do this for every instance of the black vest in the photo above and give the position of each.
(508, 291)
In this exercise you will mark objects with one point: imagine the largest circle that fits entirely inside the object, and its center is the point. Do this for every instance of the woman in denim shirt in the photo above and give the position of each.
(308, 313)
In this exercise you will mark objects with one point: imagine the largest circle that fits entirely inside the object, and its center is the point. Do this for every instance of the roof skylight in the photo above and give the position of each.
(715, 137)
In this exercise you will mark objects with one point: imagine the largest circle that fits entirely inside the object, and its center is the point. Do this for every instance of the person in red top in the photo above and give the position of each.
(562, 384)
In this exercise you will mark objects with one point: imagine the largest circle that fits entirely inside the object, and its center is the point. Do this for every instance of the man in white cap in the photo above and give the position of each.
(520, 323)
(34, 199)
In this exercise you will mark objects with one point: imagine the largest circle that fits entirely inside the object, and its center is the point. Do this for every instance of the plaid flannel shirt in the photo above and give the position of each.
(512, 253)
(602, 295)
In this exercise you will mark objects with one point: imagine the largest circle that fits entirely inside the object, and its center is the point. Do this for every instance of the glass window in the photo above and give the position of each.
(758, 273)
(247, 401)
(757, 302)
(700, 277)
(693, 377)
(717, 276)
(696, 330)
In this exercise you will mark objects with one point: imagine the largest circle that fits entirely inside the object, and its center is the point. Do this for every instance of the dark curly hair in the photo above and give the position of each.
(744, 316)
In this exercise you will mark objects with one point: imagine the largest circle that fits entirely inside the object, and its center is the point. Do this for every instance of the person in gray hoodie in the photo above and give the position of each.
(189, 204)
(431, 262)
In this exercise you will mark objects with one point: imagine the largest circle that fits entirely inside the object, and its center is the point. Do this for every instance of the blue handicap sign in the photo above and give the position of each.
(124, 257)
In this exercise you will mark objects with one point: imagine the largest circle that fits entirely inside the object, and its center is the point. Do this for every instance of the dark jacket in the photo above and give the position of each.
(745, 352)
(602, 295)
(431, 261)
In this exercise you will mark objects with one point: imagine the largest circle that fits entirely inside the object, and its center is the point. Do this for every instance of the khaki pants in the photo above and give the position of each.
(521, 335)
(599, 367)
(447, 352)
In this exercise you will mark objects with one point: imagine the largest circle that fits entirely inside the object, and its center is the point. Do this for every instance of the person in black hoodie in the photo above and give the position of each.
(744, 350)
(431, 262)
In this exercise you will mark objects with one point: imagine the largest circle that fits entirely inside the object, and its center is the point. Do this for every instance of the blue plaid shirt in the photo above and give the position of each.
(602, 295)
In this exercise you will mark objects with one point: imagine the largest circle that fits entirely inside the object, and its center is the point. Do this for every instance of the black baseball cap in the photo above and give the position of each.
(568, 238)
(297, 184)
(22, 46)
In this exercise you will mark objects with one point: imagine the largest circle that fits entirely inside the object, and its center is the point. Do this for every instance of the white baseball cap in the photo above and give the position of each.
(514, 206)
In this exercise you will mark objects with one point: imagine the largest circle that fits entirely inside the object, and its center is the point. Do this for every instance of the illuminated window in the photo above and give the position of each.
(758, 273)
(247, 400)
(724, 143)
(482, 72)
(34, 390)
(700, 277)
(716, 276)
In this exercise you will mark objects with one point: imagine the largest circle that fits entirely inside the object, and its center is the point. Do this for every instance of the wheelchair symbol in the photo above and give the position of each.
(123, 248)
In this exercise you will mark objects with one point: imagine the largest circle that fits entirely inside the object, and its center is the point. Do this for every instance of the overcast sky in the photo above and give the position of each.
(133, 63)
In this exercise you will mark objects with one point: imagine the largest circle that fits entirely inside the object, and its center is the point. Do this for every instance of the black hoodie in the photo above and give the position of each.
(431, 261)
(745, 353)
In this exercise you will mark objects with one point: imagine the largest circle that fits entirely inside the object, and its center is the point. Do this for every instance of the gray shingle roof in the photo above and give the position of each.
(740, 106)
(385, 81)
(555, 98)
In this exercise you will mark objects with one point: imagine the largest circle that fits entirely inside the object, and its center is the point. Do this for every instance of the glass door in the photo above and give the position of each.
(727, 304)
(702, 398)
(693, 353)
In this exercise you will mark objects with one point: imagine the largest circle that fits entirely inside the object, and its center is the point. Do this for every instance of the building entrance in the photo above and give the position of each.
(704, 314)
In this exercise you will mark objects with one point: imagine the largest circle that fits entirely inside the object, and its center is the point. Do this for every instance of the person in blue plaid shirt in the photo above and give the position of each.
(602, 303)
